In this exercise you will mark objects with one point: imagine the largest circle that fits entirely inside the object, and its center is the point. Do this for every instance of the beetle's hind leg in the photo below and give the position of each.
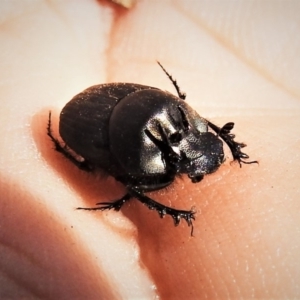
(234, 146)
(181, 94)
(63, 149)
(177, 215)
(116, 205)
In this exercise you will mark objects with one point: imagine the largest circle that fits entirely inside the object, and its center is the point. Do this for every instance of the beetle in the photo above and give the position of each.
(144, 137)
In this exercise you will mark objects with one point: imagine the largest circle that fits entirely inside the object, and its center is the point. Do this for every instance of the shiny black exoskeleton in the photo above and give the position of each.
(143, 137)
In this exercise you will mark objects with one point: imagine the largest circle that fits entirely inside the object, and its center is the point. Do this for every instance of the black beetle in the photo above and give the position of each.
(143, 137)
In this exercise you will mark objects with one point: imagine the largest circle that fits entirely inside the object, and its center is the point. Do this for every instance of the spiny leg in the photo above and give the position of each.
(181, 95)
(63, 149)
(116, 205)
(164, 146)
(234, 146)
(163, 210)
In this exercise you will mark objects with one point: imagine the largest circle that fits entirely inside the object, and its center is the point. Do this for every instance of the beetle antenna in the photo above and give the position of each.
(181, 94)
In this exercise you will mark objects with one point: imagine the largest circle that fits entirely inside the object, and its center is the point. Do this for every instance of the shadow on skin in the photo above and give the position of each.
(42, 264)
(91, 187)
(161, 244)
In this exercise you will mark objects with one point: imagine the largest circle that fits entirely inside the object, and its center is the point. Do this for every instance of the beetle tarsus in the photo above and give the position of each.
(162, 210)
(116, 205)
(176, 214)
(235, 147)
(181, 94)
(83, 165)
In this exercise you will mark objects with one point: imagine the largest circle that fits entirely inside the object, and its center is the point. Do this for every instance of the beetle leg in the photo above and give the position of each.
(83, 165)
(181, 95)
(164, 146)
(234, 146)
(176, 214)
(185, 122)
(116, 205)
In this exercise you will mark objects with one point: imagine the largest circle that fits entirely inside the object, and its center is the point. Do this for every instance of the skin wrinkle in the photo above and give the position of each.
(39, 235)
(17, 280)
(227, 44)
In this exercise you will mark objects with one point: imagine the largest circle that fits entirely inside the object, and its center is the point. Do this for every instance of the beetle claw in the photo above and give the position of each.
(176, 218)
(235, 147)
(162, 213)
(116, 205)
(177, 215)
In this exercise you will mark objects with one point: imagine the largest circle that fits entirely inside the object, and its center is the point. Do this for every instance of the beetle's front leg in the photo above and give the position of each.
(165, 148)
(235, 147)
(163, 210)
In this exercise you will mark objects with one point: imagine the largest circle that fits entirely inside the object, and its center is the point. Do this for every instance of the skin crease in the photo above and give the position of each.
(238, 62)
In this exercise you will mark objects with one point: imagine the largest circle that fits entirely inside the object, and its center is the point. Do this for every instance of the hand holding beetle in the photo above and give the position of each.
(166, 138)
(246, 241)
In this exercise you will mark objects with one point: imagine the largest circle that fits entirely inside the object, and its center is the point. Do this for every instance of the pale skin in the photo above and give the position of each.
(237, 61)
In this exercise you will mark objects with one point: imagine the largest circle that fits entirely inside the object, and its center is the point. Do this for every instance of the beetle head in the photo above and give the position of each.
(201, 154)
(184, 142)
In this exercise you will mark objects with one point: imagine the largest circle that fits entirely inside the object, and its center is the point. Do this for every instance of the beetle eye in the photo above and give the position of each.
(175, 137)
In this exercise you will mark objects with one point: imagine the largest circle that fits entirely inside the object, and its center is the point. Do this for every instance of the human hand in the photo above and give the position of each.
(237, 62)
